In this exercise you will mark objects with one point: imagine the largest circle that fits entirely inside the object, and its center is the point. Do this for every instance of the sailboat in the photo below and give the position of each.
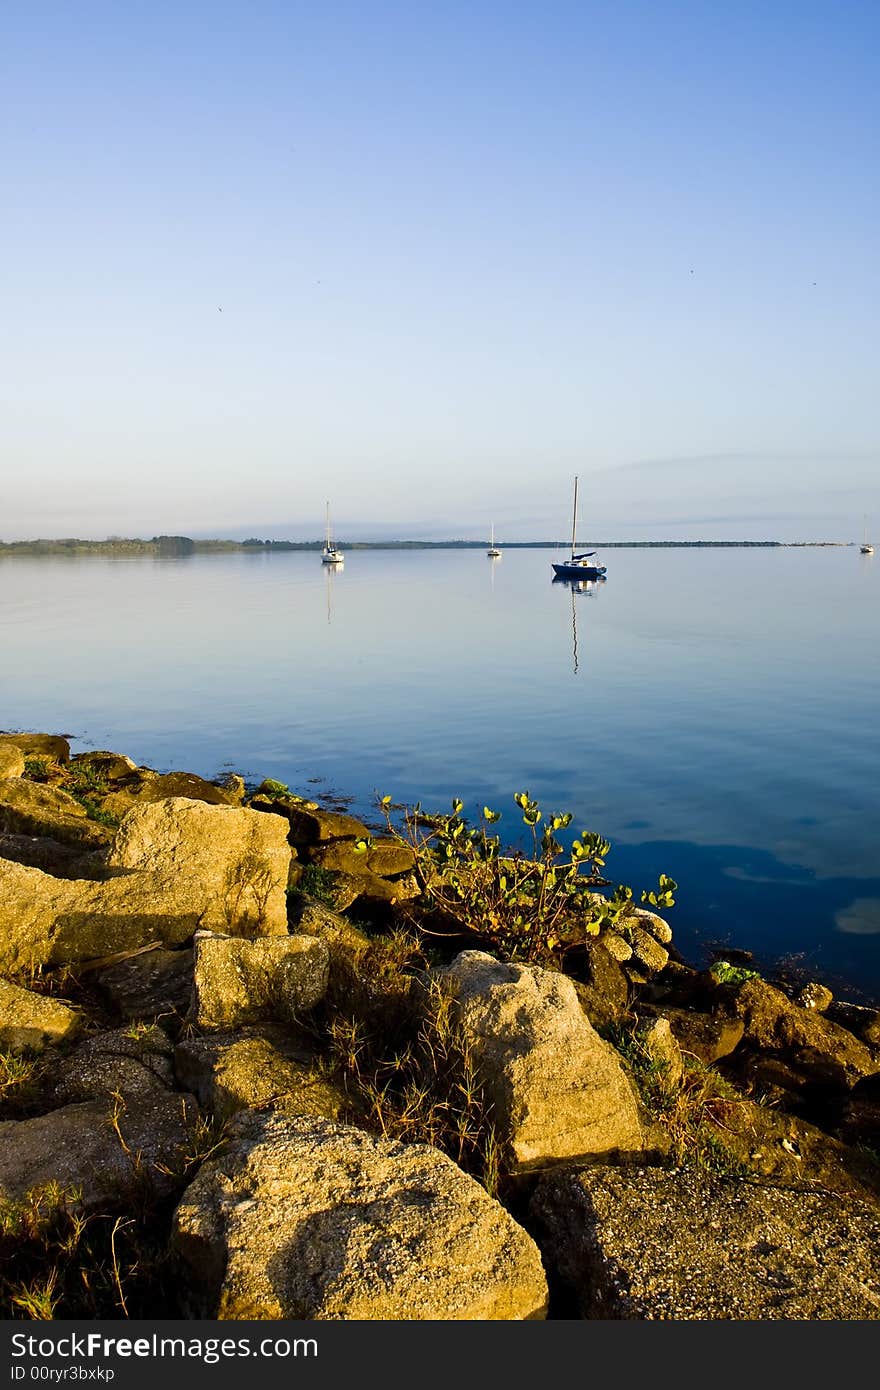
(866, 548)
(330, 555)
(493, 552)
(578, 567)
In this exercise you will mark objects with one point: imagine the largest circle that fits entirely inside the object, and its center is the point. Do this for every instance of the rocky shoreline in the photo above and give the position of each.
(259, 1060)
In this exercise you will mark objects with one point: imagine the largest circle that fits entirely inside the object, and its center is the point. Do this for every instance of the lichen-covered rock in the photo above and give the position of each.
(30, 1022)
(810, 1046)
(305, 1219)
(32, 808)
(237, 981)
(646, 949)
(615, 945)
(52, 746)
(99, 1153)
(683, 1244)
(156, 984)
(557, 1090)
(252, 1068)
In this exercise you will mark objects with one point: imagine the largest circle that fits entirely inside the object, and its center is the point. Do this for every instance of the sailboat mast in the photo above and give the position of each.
(328, 526)
(574, 516)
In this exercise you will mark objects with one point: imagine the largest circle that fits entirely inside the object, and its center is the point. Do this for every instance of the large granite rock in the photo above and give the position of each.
(682, 1244)
(237, 981)
(31, 808)
(238, 857)
(30, 1022)
(302, 1218)
(253, 1068)
(99, 1153)
(557, 1090)
(177, 866)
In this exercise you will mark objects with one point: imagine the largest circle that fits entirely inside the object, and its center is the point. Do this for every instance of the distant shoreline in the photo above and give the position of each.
(185, 545)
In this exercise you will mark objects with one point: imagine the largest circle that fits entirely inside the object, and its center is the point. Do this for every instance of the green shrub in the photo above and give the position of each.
(527, 906)
(84, 778)
(317, 883)
(723, 973)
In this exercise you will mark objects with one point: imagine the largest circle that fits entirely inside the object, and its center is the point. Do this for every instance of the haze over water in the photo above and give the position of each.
(715, 720)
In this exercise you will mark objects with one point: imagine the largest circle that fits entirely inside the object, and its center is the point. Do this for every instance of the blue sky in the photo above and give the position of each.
(429, 261)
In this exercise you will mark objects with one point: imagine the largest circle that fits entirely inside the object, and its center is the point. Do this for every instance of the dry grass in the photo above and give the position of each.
(696, 1113)
(406, 1067)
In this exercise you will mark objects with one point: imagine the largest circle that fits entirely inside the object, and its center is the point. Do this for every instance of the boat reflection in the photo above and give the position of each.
(331, 571)
(590, 587)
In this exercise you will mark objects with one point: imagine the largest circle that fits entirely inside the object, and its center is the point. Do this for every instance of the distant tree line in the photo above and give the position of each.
(186, 545)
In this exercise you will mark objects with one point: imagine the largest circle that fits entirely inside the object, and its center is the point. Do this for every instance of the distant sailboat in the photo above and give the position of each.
(866, 548)
(330, 555)
(493, 552)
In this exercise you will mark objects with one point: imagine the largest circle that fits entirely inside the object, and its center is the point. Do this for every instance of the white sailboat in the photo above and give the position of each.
(493, 552)
(330, 555)
(866, 548)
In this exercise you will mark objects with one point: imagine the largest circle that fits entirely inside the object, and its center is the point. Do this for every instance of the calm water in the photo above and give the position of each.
(713, 714)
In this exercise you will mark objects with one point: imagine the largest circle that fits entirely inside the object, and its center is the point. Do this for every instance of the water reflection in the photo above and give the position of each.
(330, 573)
(590, 587)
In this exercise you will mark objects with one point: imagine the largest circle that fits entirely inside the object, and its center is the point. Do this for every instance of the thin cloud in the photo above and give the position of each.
(847, 455)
